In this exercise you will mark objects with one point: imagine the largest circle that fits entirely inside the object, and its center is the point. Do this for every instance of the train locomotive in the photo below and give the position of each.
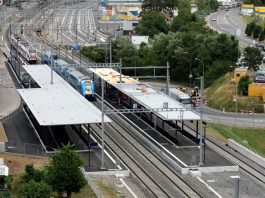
(83, 84)
(24, 49)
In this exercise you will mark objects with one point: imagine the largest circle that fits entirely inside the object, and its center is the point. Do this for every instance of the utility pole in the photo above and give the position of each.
(102, 124)
(110, 52)
(168, 79)
(201, 119)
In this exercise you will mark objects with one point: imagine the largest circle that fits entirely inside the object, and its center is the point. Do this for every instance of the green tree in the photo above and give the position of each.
(96, 53)
(256, 31)
(253, 57)
(124, 49)
(31, 174)
(63, 172)
(158, 5)
(243, 85)
(262, 35)
(9, 181)
(34, 189)
(152, 23)
(207, 6)
(250, 28)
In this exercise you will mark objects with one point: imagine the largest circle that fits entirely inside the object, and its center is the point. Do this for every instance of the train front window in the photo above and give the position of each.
(33, 52)
(88, 85)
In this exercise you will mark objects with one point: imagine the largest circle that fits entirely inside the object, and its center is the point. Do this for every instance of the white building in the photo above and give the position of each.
(137, 40)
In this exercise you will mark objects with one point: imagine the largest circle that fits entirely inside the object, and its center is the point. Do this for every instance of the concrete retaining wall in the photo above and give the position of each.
(246, 152)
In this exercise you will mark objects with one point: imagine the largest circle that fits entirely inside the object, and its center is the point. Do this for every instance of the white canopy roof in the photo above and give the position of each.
(146, 95)
(57, 103)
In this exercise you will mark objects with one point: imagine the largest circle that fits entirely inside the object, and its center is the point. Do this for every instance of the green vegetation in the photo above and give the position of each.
(243, 85)
(158, 5)
(221, 93)
(254, 139)
(152, 23)
(255, 2)
(187, 39)
(62, 177)
(253, 57)
(255, 28)
(207, 6)
(63, 173)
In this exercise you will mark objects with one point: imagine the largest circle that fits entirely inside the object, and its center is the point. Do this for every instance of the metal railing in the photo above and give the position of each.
(25, 148)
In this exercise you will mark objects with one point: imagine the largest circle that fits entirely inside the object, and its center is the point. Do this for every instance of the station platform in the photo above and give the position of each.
(174, 143)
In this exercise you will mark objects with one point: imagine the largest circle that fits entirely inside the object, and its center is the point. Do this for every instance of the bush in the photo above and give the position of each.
(256, 31)
(250, 28)
(262, 35)
(243, 85)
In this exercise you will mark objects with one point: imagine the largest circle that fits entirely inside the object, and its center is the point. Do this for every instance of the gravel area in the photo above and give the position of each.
(226, 186)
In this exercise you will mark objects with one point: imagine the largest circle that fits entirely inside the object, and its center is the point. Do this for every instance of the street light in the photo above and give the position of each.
(190, 75)
(197, 59)
(201, 111)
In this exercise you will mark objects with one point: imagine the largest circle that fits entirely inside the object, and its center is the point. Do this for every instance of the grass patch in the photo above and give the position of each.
(254, 139)
(107, 190)
(248, 19)
(85, 192)
(17, 163)
(221, 93)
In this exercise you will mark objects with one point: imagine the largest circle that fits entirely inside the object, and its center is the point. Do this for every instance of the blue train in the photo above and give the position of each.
(83, 84)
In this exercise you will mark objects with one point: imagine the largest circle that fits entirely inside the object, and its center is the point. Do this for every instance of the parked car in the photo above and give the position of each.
(260, 77)
(260, 46)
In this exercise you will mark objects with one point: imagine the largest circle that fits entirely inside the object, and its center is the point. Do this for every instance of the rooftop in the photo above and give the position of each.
(146, 95)
(57, 103)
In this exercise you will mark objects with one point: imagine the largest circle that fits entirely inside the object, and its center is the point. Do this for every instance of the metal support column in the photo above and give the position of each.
(110, 52)
(120, 70)
(155, 121)
(176, 125)
(88, 130)
(197, 129)
(168, 79)
(182, 125)
(201, 123)
(102, 124)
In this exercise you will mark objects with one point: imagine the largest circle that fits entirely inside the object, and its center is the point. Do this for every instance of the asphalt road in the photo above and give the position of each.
(253, 120)
(230, 22)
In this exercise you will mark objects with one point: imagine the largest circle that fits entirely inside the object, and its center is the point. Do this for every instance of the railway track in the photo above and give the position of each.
(153, 172)
(250, 167)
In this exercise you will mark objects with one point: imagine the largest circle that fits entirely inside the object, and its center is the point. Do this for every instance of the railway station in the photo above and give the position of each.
(56, 105)
(173, 128)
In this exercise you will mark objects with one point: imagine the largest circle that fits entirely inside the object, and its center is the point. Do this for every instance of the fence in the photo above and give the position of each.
(25, 148)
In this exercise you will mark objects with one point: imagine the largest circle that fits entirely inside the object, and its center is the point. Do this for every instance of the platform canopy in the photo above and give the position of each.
(147, 96)
(57, 103)
(153, 99)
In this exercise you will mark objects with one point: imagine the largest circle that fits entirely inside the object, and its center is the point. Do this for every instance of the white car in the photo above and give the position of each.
(213, 19)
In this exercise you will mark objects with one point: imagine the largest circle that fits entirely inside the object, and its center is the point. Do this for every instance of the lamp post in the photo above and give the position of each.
(197, 59)
(201, 111)
(235, 96)
(190, 75)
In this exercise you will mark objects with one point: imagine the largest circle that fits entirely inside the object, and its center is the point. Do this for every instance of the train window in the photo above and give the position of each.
(88, 85)
(32, 51)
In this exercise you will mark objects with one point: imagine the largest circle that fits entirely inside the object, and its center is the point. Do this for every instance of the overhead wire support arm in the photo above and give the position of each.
(108, 111)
